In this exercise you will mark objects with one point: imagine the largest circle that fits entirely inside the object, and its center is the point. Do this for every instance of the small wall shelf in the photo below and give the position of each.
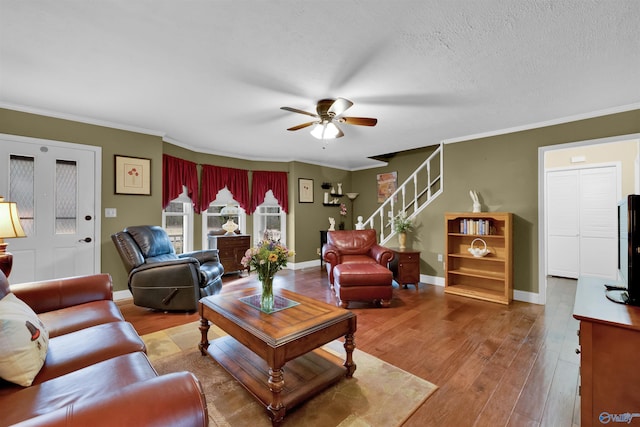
(331, 204)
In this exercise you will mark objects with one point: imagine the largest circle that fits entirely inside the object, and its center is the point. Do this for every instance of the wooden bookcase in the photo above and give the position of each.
(488, 278)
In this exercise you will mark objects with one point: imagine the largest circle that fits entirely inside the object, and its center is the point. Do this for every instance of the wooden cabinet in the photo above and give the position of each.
(609, 344)
(406, 266)
(231, 249)
(323, 241)
(489, 278)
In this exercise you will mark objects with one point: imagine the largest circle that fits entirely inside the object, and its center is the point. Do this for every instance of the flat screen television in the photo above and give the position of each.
(628, 292)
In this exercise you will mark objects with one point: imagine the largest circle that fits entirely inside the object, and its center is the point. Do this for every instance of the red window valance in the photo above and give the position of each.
(215, 178)
(264, 181)
(176, 173)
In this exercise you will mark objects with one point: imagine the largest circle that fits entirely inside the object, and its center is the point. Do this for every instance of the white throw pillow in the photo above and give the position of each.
(23, 341)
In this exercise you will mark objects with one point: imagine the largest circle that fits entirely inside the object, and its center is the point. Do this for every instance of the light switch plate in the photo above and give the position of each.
(110, 212)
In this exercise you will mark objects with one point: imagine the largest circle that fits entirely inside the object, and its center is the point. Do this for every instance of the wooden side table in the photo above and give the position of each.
(406, 266)
(323, 240)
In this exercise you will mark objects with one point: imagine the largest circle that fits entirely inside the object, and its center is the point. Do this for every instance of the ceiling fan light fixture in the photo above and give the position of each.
(325, 130)
(318, 131)
(329, 111)
(331, 131)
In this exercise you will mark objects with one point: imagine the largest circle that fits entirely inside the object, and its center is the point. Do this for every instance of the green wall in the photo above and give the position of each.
(303, 235)
(503, 169)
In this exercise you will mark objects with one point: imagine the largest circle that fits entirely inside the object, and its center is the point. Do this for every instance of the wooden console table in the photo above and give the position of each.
(609, 347)
(259, 345)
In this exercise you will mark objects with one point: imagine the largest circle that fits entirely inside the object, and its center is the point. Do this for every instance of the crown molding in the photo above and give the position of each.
(559, 121)
(80, 119)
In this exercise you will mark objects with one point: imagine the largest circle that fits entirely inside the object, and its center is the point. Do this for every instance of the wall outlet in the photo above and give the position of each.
(318, 251)
(439, 257)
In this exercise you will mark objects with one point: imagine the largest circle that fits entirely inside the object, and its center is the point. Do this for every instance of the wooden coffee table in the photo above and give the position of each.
(260, 344)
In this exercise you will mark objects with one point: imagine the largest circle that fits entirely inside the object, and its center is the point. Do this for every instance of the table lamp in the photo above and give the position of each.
(10, 227)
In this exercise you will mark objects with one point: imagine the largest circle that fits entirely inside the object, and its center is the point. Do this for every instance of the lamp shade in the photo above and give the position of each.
(9, 220)
(325, 130)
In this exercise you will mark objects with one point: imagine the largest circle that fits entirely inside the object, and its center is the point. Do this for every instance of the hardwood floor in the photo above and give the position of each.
(494, 365)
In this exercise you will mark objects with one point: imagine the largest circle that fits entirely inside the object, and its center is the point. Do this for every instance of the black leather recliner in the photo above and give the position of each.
(161, 279)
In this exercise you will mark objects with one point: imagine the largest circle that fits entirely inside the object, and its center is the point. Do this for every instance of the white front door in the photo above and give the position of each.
(54, 185)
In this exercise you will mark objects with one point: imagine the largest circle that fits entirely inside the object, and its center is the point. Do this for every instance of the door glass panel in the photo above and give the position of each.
(66, 197)
(21, 190)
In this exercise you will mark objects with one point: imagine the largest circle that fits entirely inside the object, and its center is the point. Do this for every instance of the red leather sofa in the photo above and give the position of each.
(96, 371)
(358, 266)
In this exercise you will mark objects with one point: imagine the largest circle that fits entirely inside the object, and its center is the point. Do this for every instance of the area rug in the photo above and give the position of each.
(379, 394)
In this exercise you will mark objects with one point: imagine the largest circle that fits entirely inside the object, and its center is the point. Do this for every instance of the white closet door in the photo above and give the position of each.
(582, 222)
(599, 222)
(563, 222)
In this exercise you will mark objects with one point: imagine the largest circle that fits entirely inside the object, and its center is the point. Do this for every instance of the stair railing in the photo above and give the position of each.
(422, 187)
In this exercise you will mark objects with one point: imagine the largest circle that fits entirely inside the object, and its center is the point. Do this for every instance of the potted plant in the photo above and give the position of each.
(401, 224)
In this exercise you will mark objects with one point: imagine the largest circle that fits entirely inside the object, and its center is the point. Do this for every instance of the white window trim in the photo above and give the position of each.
(269, 201)
(187, 231)
(223, 198)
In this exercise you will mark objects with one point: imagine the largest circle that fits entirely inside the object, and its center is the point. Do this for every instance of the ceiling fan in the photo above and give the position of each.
(329, 112)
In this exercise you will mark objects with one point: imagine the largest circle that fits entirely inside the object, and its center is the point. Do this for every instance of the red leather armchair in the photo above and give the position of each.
(354, 247)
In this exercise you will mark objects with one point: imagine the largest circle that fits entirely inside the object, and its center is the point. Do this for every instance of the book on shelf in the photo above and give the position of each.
(480, 227)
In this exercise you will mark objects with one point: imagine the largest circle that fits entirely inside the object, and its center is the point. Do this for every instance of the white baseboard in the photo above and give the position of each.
(122, 295)
(432, 280)
(303, 265)
(524, 296)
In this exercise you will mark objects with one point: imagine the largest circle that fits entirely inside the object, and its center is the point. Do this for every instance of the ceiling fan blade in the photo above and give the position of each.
(295, 110)
(302, 126)
(339, 106)
(340, 134)
(360, 121)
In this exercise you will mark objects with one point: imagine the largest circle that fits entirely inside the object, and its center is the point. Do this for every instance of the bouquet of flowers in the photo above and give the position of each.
(267, 258)
(343, 213)
(400, 223)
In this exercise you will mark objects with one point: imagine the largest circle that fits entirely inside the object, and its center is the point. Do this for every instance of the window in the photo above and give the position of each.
(269, 220)
(214, 217)
(177, 219)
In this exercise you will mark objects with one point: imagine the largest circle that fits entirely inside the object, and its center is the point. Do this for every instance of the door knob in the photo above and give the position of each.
(86, 239)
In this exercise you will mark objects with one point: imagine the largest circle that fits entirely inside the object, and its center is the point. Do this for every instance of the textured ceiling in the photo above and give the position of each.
(212, 75)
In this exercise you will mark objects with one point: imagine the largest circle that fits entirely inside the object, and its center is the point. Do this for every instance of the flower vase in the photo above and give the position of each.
(266, 298)
(402, 240)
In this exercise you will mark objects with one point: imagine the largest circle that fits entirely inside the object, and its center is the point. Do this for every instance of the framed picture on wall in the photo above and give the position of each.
(305, 190)
(132, 175)
(387, 185)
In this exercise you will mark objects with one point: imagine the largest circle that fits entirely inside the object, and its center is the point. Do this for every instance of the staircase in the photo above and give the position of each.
(416, 193)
